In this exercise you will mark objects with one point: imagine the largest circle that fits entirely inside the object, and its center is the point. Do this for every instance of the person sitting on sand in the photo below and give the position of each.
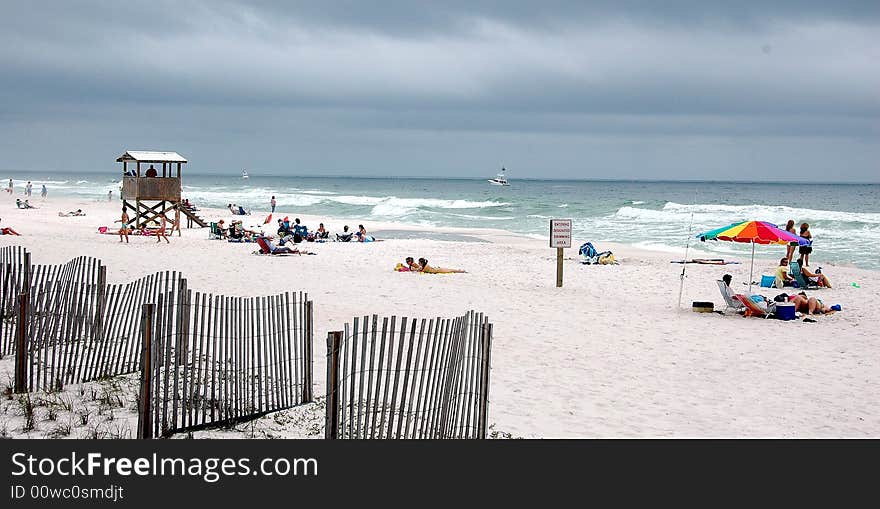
(28, 205)
(816, 277)
(221, 227)
(345, 236)
(125, 226)
(424, 267)
(300, 232)
(362, 234)
(321, 233)
(781, 277)
(727, 278)
(809, 305)
(19, 203)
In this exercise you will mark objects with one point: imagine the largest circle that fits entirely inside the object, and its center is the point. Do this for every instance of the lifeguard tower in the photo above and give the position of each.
(148, 193)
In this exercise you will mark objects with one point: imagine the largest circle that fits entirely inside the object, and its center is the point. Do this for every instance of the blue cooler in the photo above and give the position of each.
(767, 281)
(785, 310)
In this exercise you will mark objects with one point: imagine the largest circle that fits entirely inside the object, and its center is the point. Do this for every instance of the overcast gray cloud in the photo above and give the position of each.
(559, 89)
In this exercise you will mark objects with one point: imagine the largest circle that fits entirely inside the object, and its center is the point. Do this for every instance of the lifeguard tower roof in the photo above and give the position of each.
(145, 156)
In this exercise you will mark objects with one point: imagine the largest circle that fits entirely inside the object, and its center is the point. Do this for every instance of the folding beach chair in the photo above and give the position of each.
(732, 303)
(752, 309)
(798, 276)
(215, 232)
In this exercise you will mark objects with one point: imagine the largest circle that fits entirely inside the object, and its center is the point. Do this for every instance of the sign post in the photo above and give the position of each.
(560, 238)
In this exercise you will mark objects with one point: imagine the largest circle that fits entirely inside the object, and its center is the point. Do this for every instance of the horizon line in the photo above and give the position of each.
(527, 179)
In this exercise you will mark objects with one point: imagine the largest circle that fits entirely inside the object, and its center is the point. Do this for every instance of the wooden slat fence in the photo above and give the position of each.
(411, 378)
(13, 262)
(214, 359)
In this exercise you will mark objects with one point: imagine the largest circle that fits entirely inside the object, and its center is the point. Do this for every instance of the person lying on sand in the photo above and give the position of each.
(77, 212)
(8, 231)
(413, 266)
(809, 305)
(423, 263)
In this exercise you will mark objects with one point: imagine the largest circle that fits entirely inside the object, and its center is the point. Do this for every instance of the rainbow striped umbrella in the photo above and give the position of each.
(758, 232)
(754, 232)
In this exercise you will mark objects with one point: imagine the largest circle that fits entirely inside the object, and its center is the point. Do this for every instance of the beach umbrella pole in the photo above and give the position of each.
(752, 268)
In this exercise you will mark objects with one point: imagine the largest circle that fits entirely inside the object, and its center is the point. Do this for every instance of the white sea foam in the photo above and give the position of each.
(778, 213)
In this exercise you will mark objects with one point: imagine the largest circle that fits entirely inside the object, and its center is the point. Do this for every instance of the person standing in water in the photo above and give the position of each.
(44, 192)
(9, 187)
(272, 202)
(110, 195)
(28, 189)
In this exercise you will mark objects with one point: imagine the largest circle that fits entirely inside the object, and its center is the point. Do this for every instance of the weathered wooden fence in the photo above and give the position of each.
(76, 327)
(14, 271)
(409, 379)
(211, 359)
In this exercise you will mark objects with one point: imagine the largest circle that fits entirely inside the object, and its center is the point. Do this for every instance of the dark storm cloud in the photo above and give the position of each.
(462, 71)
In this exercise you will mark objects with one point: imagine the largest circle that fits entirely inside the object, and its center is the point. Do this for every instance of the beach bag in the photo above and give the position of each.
(607, 258)
(782, 297)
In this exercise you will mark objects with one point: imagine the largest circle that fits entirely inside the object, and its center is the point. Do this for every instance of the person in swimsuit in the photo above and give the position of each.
(160, 233)
(124, 226)
(424, 267)
(809, 305)
(789, 227)
(412, 265)
(805, 251)
(816, 277)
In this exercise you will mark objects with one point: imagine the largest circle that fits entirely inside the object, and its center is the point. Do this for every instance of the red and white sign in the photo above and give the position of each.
(560, 233)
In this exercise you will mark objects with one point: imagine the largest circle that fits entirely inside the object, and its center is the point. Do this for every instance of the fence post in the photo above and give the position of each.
(21, 381)
(484, 383)
(145, 420)
(334, 339)
(101, 299)
(307, 368)
(26, 271)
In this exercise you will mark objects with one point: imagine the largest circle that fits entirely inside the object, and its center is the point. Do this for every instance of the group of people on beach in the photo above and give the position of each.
(128, 227)
(802, 302)
(28, 189)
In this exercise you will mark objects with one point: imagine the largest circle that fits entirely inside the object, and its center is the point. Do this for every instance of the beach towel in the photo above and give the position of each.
(706, 261)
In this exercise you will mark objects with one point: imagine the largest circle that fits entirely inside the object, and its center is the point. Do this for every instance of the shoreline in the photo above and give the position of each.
(490, 235)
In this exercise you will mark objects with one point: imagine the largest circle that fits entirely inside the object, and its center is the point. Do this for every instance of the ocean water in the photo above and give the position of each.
(844, 219)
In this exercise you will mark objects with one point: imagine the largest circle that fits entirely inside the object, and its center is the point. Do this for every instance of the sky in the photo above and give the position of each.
(743, 90)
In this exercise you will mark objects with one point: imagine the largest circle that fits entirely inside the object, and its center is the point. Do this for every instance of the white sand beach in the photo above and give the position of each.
(607, 355)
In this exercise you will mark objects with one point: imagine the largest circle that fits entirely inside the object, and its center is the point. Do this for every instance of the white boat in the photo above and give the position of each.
(500, 179)
(244, 174)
